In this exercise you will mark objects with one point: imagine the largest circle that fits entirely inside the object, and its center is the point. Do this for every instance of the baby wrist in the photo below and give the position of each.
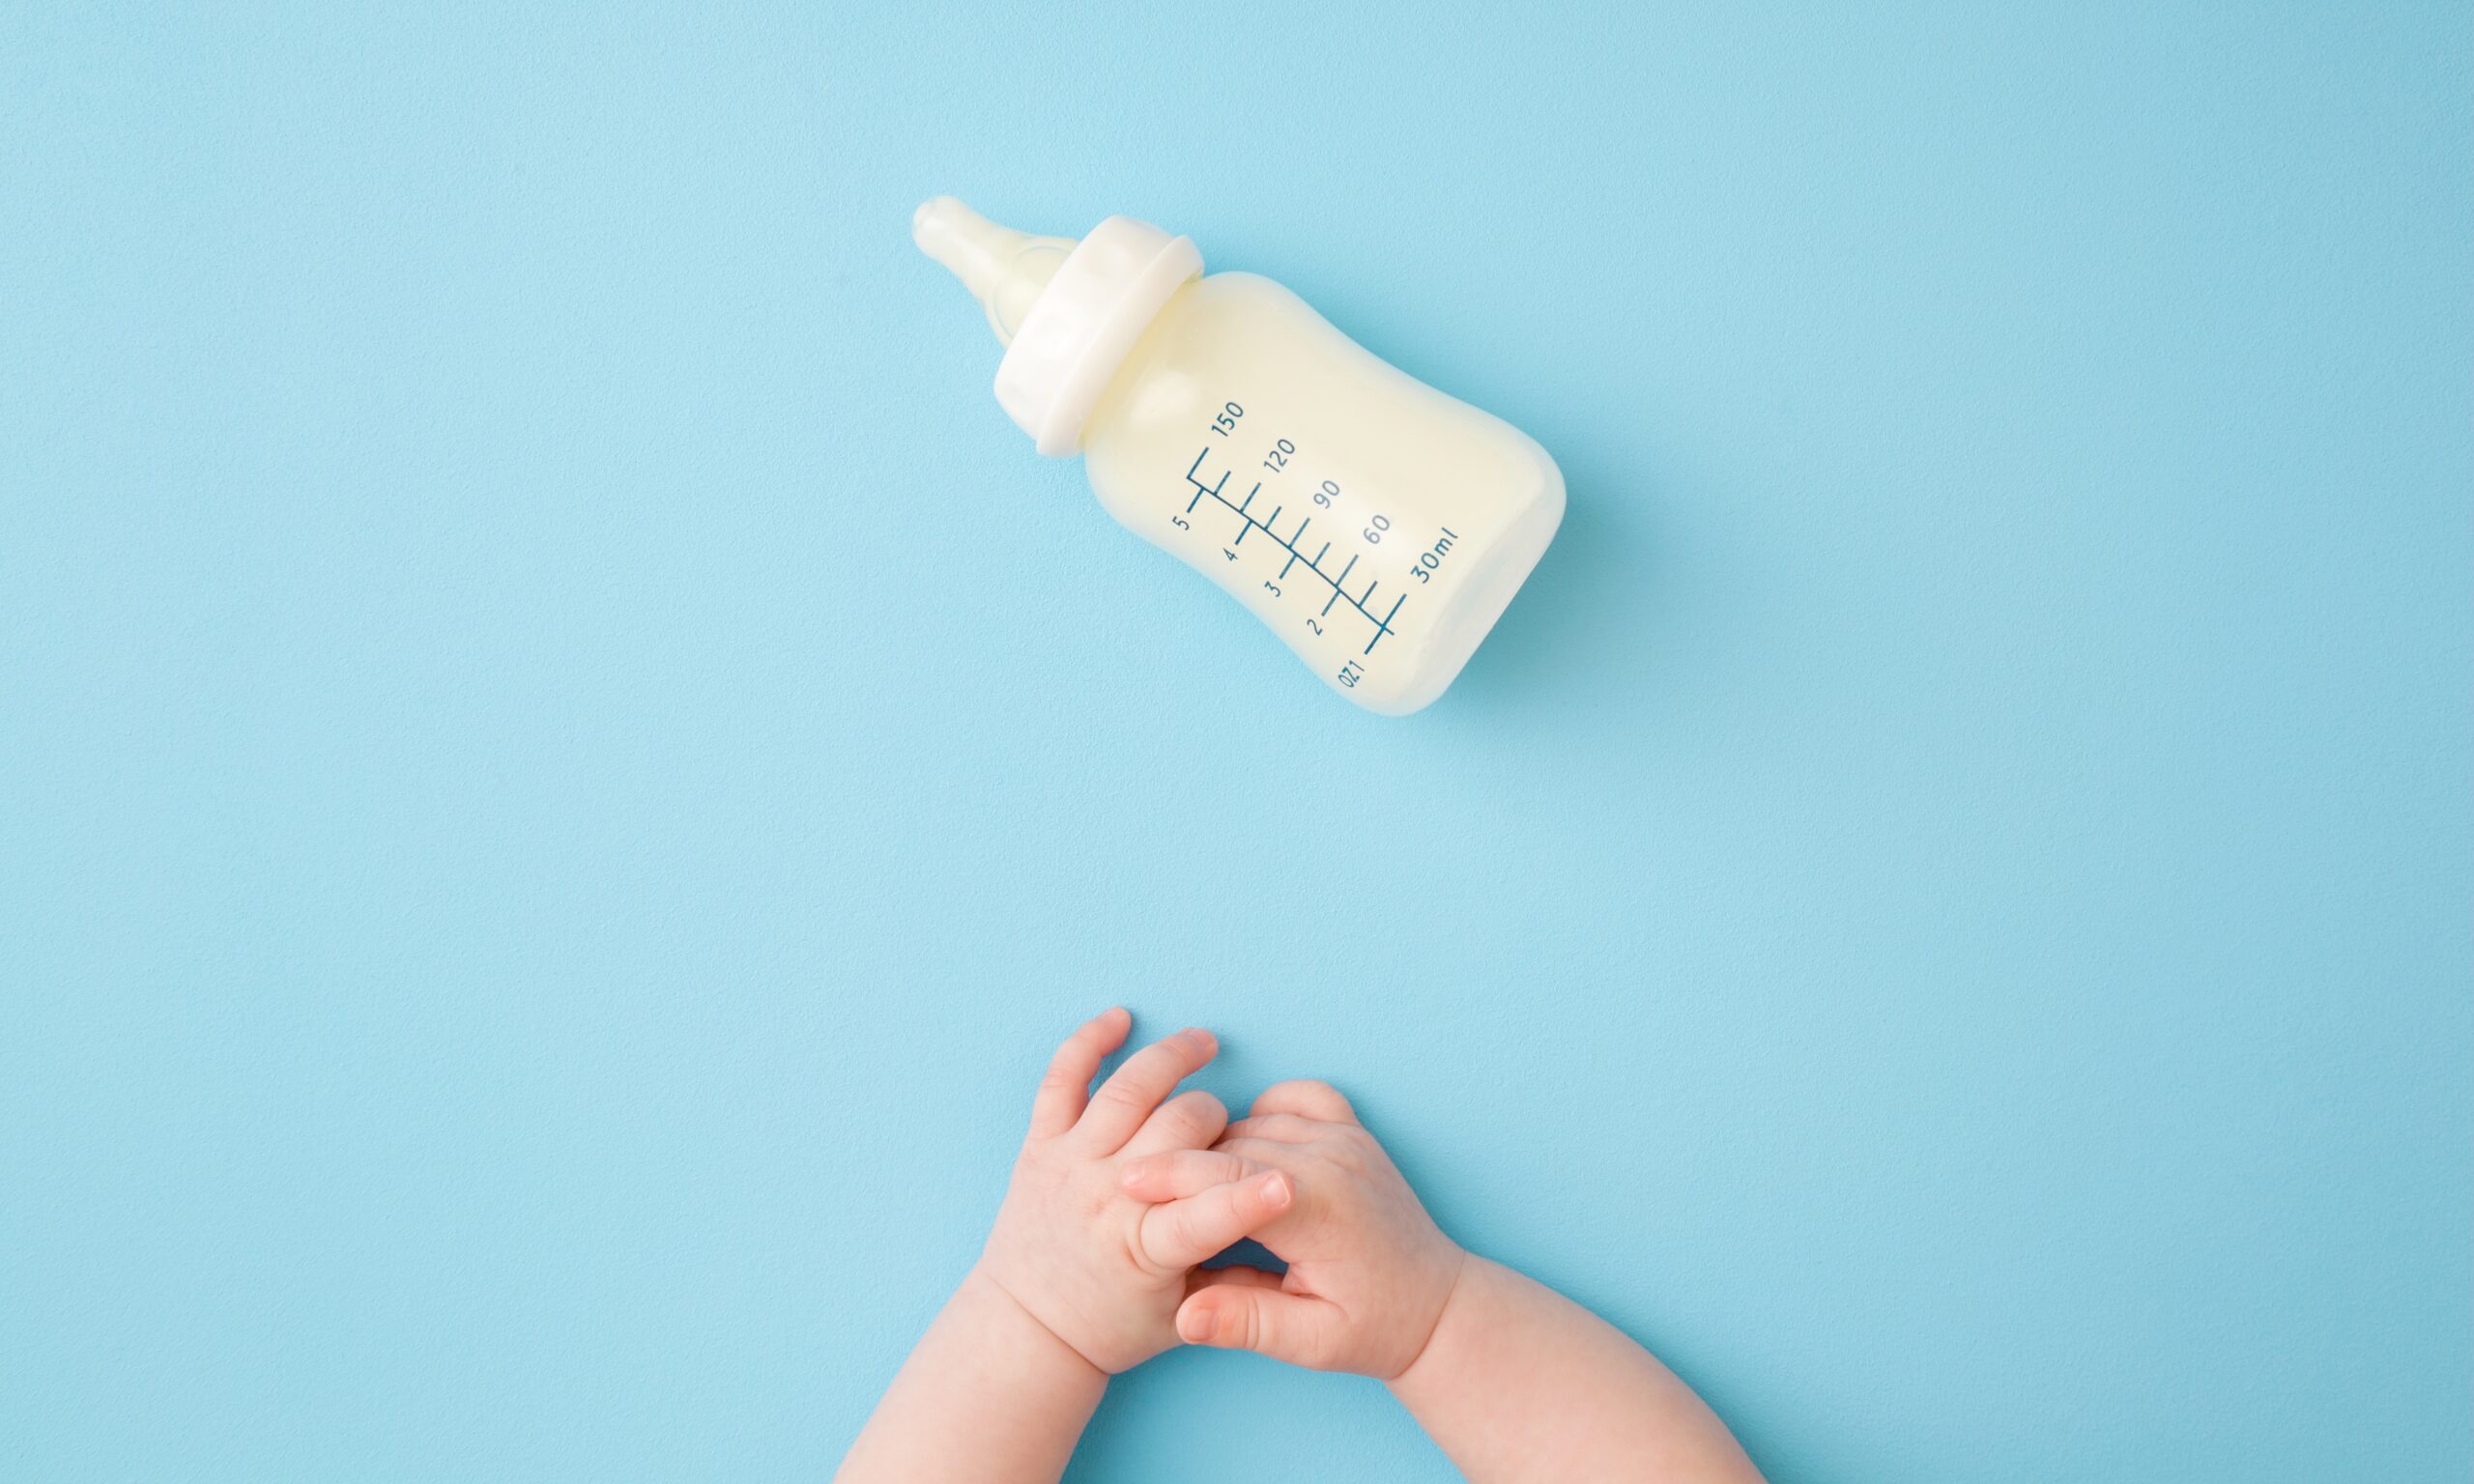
(1033, 1335)
(1463, 1274)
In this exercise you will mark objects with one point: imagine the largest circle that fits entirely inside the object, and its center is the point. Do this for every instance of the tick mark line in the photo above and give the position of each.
(1315, 564)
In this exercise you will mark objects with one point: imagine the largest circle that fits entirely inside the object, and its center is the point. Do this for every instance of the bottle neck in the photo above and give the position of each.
(1164, 348)
(1084, 323)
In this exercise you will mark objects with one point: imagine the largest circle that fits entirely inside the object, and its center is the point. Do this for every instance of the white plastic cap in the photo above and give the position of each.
(1069, 312)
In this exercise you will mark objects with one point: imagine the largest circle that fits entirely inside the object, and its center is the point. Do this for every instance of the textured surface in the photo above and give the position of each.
(563, 765)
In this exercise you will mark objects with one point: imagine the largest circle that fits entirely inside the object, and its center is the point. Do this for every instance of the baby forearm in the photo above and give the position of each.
(990, 1396)
(1519, 1384)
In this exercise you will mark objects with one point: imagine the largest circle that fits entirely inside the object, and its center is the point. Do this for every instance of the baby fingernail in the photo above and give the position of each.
(1194, 1326)
(1275, 1189)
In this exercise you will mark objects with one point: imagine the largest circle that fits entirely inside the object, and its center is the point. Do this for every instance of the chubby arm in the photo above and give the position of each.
(1514, 1382)
(989, 1394)
(1518, 1384)
(1080, 1278)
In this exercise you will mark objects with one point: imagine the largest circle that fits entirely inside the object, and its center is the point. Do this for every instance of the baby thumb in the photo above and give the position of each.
(1283, 1325)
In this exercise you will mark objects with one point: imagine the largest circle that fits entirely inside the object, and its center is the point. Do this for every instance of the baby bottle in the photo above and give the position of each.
(1378, 526)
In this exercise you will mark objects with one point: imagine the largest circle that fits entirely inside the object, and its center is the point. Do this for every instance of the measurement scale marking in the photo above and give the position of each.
(1200, 491)
(1338, 593)
(1385, 627)
(1313, 564)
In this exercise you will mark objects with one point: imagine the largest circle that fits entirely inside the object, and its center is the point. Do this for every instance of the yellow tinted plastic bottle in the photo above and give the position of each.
(1376, 526)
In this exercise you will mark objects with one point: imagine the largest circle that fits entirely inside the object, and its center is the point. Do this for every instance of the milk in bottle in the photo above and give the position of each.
(1376, 526)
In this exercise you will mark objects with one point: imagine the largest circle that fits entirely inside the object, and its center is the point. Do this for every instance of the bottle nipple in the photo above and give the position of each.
(1003, 269)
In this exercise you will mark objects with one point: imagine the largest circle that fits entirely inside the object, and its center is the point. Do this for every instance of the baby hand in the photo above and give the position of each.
(1368, 1271)
(1103, 1270)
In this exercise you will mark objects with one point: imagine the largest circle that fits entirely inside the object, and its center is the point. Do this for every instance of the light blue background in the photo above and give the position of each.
(564, 766)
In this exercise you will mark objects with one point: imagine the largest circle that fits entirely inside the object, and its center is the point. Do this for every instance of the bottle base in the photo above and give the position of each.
(1470, 621)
